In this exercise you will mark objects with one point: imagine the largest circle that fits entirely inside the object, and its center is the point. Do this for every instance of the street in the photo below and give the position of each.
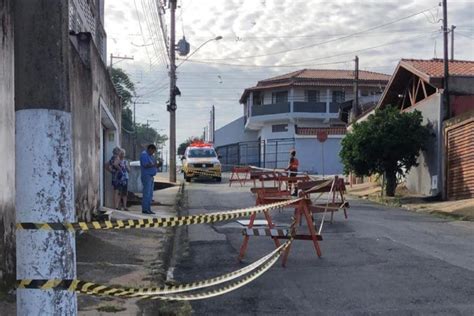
(381, 260)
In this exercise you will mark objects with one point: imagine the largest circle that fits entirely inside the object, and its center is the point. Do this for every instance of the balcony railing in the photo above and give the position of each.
(267, 109)
(309, 107)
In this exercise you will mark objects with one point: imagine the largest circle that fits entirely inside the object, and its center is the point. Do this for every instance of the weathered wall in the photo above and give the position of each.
(85, 123)
(89, 84)
(420, 179)
(7, 146)
(461, 104)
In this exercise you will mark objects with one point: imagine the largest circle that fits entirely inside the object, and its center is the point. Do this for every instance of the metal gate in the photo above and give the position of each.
(272, 153)
(460, 158)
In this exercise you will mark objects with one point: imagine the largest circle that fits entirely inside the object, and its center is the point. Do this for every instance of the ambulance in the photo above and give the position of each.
(201, 160)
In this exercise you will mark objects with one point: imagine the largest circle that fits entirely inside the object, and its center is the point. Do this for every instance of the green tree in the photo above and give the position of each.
(126, 90)
(182, 147)
(388, 142)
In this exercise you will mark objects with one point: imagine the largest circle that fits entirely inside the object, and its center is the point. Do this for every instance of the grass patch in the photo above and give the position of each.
(110, 309)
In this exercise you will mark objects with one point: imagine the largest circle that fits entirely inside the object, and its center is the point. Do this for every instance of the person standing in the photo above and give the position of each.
(113, 167)
(148, 167)
(122, 177)
(293, 168)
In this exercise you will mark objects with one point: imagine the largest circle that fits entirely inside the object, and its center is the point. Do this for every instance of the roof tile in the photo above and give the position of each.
(434, 68)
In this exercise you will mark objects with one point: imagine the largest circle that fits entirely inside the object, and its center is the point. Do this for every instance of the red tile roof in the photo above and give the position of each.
(320, 77)
(434, 68)
(334, 74)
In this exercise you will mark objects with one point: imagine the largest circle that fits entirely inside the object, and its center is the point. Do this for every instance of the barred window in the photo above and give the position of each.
(278, 128)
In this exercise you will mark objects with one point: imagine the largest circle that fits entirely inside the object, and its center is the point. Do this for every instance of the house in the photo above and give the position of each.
(447, 166)
(71, 81)
(288, 111)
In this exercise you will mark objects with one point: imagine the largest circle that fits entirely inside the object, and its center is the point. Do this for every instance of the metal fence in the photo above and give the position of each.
(266, 153)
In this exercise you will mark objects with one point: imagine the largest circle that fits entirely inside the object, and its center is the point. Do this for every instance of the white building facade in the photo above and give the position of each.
(287, 112)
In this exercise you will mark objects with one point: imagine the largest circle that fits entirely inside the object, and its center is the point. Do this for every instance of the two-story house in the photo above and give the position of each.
(287, 112)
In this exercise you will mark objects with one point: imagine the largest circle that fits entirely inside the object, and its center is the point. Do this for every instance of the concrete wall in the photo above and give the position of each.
(93, 98)
(266, 131)
(309, 152)
(420, 179)
(7, 146)
(234, 132)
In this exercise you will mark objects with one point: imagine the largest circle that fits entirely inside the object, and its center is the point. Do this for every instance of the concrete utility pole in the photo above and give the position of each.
(452, 41)
(213, 124)
(446, 60)
(172, 104)
(355, 107)
(44, 155)
(118, 57)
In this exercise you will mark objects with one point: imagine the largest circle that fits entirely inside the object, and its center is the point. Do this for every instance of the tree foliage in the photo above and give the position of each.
(388, 142)
(126, 90)
(182, 147)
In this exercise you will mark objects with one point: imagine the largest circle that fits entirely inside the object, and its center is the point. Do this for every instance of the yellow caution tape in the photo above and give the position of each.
(157, 222)
(90, 288)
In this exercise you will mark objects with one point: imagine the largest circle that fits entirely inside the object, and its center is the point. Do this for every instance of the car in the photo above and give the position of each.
(200, 160)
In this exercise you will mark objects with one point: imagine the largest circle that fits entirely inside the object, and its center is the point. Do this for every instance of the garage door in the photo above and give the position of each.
(460, 156)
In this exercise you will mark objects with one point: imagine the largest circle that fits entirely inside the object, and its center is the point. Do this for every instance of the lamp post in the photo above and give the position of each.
(217, 38)
(173, 90)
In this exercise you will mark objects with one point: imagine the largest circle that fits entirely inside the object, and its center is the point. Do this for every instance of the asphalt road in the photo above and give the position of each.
(380, 261)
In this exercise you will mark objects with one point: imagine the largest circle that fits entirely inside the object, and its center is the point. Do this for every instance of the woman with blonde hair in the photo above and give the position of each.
(119, 168)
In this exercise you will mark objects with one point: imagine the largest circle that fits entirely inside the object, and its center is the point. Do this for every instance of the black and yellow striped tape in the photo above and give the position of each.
(90, 288)
(156, 222)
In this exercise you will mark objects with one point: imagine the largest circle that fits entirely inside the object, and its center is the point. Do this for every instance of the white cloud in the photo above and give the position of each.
(257, 27)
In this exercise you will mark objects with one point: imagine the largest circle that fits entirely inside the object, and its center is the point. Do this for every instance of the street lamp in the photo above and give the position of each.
(217, 38)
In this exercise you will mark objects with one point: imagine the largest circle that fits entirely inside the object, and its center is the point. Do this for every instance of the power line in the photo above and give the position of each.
(203, 61)
(328, 41)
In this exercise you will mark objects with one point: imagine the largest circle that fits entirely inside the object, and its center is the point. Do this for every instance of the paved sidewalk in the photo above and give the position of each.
(130, 257)
(462, 209)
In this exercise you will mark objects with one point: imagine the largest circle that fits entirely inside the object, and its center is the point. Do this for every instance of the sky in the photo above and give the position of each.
(265, 38)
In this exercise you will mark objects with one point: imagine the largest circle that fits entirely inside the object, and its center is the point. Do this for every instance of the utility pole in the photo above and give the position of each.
(452, 41)
(172, 104)
(44, 156)
(446, 61)
(117, 57)
(355, 106)
(213, 124)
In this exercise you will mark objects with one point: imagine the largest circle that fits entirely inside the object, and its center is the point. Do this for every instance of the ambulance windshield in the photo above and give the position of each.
(202, 153)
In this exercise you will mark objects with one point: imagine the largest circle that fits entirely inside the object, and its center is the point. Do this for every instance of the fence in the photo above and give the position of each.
(272, 153)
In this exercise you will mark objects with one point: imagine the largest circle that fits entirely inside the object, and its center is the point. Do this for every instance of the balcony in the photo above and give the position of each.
(268, 109)
(309, 107)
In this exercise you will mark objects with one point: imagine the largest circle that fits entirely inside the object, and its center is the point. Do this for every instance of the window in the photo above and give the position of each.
(364, 93)
(279, 128)
(257, 98)
(338, 96)
(312, 96)
(279, 97)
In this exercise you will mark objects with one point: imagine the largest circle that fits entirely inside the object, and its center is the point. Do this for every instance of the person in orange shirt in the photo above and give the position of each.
(293, 168)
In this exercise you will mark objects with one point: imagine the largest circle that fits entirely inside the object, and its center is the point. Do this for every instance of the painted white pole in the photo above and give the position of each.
(44, 193)
(43, 147)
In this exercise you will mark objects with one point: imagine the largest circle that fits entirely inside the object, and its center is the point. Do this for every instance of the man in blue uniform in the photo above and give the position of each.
(148, 168)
